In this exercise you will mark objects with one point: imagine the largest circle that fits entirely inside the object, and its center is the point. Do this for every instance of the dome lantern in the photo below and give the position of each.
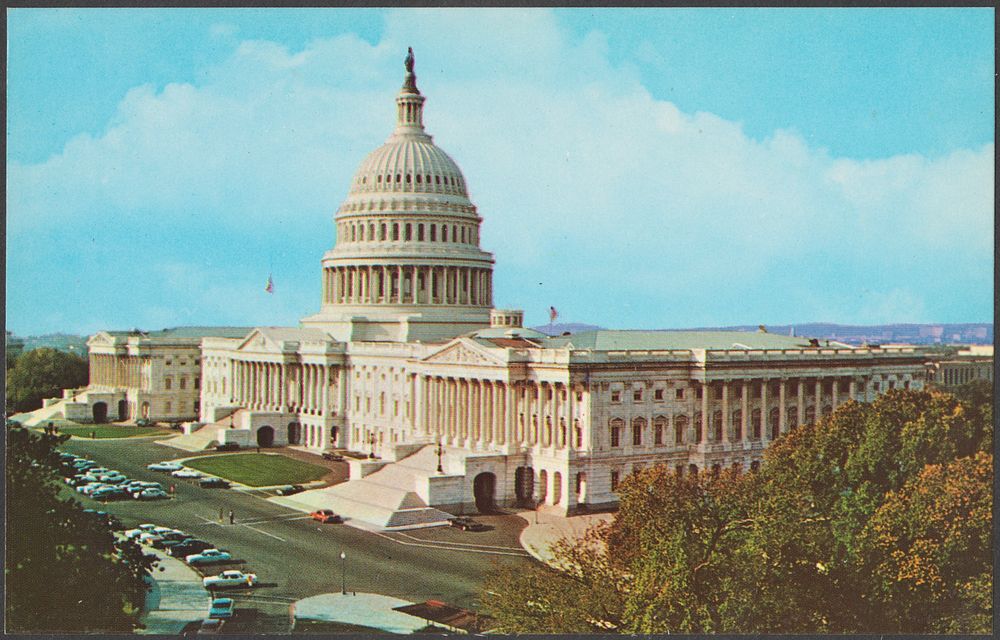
(410, 105)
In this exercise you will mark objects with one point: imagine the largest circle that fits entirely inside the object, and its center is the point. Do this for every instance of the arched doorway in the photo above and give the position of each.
(265, 436)
(543, 485)
(484, 489)
(294, 433)
(123, 410)
(556, 487)
(524, 485)
(100, 412)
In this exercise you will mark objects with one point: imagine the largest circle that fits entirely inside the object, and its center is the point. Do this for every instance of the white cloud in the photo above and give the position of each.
(583, 177)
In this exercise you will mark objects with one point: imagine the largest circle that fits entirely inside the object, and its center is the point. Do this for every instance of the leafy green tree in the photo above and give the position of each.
(43, 373)
(65, 570)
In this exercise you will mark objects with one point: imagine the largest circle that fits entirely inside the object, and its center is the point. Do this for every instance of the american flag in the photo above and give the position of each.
(270, 284)
(553, 314)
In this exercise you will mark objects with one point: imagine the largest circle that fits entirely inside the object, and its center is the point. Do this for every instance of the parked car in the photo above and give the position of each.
(88, 489)
(208, 556)
(188, 547)
(227, 446)
(109, 493)
(326, 516)
(467, 524)
(222, 608)
(143, 422)
(141, 529)
(290, 490)
(186, 473)
(148, 538)
(213, 483)
(170, 539)
(83, 463)
(230, 578)
(335, 457)
(151, 494)
(165, 466)
(210, 627)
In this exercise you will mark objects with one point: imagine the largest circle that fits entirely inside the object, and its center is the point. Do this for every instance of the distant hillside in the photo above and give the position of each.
(560, 328)
(969, 333)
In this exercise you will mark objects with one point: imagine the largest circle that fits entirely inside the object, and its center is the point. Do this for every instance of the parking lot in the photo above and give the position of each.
(295, 556)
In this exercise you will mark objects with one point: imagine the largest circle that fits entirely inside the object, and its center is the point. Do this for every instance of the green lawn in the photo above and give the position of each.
(258, 469)
(106, 430)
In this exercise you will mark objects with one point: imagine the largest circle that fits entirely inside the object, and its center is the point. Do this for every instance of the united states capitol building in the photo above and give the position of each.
(450, 403)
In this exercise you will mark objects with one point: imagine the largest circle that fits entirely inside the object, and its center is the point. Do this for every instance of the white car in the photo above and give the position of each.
(165, 466)
(151, 494)
(88, 489)
(148, 537)
(138, 531)
(186, 473)
(230, 579)
(208, 556)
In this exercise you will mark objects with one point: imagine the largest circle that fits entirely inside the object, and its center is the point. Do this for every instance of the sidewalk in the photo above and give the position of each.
(362, 609)
(537, 539)
(177, 597)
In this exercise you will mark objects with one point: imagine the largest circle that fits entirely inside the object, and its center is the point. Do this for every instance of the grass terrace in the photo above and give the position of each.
(103, 431)
(258, 469)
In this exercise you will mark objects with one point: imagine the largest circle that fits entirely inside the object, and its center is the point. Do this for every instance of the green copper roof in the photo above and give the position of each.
(191, 333)
(609, 340)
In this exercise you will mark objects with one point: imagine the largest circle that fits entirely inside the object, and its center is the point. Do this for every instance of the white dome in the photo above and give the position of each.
(409, 164)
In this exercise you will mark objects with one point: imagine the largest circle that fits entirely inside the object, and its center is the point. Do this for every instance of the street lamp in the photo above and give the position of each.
(343, 573)
(440, 452)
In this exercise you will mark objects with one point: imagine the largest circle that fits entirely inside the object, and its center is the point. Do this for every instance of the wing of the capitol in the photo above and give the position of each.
(461, 405)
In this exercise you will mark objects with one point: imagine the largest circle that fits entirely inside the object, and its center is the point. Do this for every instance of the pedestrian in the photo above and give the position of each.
(232, 518)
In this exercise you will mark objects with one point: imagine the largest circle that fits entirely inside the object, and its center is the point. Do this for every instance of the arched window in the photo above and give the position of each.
(737, 425)
(810, 415)
(792, 417)
(637, 427)
(774, 420)
(693, 470)
(420, 232)
(717, 426)
(578, 434)
(381, 231)
(395, 229)
(755, 423)
(184, 381)
(444, 233)
(433, 233)
(371, 232)
(168, 383)
(616, 431)
(659, 427)
(827, 410)
(680, 426)
(699, 434)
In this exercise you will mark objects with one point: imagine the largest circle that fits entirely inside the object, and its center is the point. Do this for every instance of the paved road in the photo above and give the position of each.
(295, 557)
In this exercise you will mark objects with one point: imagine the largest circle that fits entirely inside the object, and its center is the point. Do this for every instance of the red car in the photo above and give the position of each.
(326, 516)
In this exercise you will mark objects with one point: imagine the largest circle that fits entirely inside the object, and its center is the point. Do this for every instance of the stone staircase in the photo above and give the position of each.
(386, 499)
(204, 438)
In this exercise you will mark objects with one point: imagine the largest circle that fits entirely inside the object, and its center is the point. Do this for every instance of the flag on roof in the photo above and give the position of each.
(270, 284)
(553, 314)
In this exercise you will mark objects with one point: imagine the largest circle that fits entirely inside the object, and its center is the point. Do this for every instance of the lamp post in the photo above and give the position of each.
(343, 573)
(440, 452)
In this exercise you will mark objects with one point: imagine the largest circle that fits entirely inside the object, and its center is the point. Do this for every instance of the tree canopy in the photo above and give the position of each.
(875, 519)
(65, 570)
(43, 373)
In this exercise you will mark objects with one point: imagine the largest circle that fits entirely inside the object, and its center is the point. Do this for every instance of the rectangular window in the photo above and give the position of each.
(698, 392)
(755, 393)
(169, 407)
(579, 438)
(614, 480)
(658, 434)
(658, 394)
(197, 383)
(717, 393)
(615, 436)
(616, 396)
(679, 394)
(906, 384)
(636, 435)
(167, 383)
(637, 395)
(183, 382)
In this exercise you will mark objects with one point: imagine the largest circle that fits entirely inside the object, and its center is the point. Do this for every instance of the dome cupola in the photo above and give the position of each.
(407, 239)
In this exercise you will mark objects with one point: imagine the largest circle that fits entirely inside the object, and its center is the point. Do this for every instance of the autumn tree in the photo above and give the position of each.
(850, 525)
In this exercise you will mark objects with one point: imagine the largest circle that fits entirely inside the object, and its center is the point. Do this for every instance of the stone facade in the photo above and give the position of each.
(408, 351)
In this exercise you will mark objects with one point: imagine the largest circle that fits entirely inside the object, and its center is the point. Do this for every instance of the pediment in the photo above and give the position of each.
(257, 341)
(101, 338)
(462, 352)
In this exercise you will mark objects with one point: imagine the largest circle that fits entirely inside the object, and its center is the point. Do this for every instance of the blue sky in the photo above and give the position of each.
(635, 168)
